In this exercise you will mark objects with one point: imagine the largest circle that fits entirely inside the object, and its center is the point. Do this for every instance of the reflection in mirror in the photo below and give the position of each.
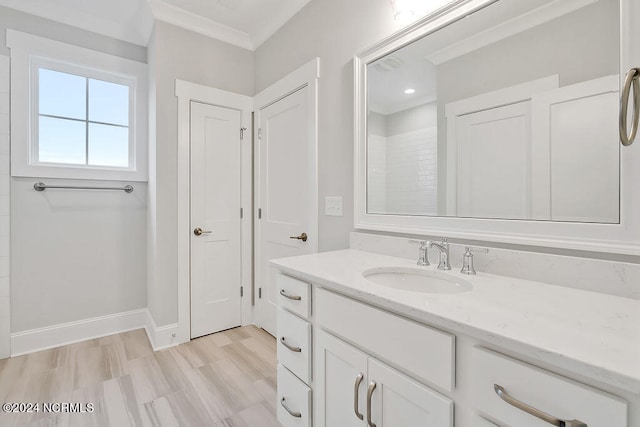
(510, 113)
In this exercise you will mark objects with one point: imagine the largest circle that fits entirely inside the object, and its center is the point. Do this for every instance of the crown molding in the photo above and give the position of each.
(168, 13)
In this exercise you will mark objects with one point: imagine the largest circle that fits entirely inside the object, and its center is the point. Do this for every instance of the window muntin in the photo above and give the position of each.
(70, 105)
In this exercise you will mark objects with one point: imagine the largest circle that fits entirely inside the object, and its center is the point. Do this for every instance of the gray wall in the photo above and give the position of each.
(377, 124)
(11, 18)
(412, 119)
(578, 45)
(333, 30)
(74, 255)
(175, 53)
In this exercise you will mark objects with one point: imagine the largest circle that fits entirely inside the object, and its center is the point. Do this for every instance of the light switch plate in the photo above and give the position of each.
(333, 206)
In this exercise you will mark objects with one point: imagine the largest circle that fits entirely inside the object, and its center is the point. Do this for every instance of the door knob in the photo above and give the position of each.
(199, 232)
(302, 237)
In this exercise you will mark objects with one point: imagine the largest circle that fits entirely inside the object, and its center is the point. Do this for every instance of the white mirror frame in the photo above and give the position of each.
(622, 238)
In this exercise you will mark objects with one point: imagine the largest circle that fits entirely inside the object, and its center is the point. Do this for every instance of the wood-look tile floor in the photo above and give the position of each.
(226, 379)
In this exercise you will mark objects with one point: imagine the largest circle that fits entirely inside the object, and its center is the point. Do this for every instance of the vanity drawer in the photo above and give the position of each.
(543, 390)
(427, 353)
(294, 400)
(294, 295)
(294, 344)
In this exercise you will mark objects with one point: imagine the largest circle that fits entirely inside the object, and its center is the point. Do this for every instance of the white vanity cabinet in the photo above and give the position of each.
(357, 361)
(354, 389)
(354, 383)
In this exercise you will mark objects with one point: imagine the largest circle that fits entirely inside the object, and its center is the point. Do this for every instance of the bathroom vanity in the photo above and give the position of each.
(498, 123)
(483, 350)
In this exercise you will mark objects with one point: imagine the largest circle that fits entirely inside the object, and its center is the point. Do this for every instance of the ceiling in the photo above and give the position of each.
(244, 23)
(408, 69)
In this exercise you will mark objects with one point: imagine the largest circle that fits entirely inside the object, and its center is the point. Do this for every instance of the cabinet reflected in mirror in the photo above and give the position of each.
(509, 113)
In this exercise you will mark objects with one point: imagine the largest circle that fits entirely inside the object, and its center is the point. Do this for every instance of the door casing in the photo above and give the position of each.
(306, 75)
(186, 93)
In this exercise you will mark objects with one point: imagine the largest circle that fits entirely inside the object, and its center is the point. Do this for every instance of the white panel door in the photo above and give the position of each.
(215, 209)
(286, 202)
(398, 401)
(494, 162)
(577, 122)
(342, 383)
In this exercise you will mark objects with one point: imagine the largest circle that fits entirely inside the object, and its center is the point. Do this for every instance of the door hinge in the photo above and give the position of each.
(241, 291)
(259, 292)
(259, 133)
(259, 213)
(242, 133)
(241, 213)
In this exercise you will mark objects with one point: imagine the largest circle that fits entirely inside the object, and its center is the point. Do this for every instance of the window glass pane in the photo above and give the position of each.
(108, 102)
(62, 94)
(61, 141)
(108, 145)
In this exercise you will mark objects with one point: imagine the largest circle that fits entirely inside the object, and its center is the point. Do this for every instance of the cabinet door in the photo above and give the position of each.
(398, 401)
(340, 368)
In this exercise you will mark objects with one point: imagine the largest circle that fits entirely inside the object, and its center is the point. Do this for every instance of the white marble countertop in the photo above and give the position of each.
(586, 333)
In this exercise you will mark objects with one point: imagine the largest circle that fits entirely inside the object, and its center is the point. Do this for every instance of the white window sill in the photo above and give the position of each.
(65, 172)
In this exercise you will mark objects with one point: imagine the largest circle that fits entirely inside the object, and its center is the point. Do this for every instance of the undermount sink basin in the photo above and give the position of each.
(417, 280)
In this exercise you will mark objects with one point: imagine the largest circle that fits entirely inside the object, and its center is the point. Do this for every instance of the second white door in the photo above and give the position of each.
(215, 219)
(286, 196)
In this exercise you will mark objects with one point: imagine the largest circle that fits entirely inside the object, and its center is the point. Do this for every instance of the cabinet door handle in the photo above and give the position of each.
(286, 408)
(291, 297)
(294, 349)
(502, 393)
(372, 387)
(630, 81)
(356, 387)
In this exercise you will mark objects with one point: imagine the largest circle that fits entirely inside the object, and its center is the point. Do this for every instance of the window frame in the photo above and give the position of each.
(31, 53)
(38, 63)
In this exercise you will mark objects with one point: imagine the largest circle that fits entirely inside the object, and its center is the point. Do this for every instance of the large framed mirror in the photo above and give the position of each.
(499, 120)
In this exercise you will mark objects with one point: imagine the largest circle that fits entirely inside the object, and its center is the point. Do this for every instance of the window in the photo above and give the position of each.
(82, 121)
(85, 117)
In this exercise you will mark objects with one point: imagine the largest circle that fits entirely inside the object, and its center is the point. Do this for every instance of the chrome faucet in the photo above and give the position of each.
(443, 248)
(423, 260)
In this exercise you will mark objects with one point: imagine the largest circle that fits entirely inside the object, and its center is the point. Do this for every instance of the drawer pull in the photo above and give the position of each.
(372, 387)
(293, 414)
(294, 349)
(291, 297)
(356, 387)
(502, 393)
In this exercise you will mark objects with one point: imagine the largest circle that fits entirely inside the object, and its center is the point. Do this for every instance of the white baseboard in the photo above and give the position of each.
(72, 332)
(160, 337)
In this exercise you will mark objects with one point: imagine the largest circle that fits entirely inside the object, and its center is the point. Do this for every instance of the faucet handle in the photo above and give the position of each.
(469, 249)
(467, 259)
(423, 259)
